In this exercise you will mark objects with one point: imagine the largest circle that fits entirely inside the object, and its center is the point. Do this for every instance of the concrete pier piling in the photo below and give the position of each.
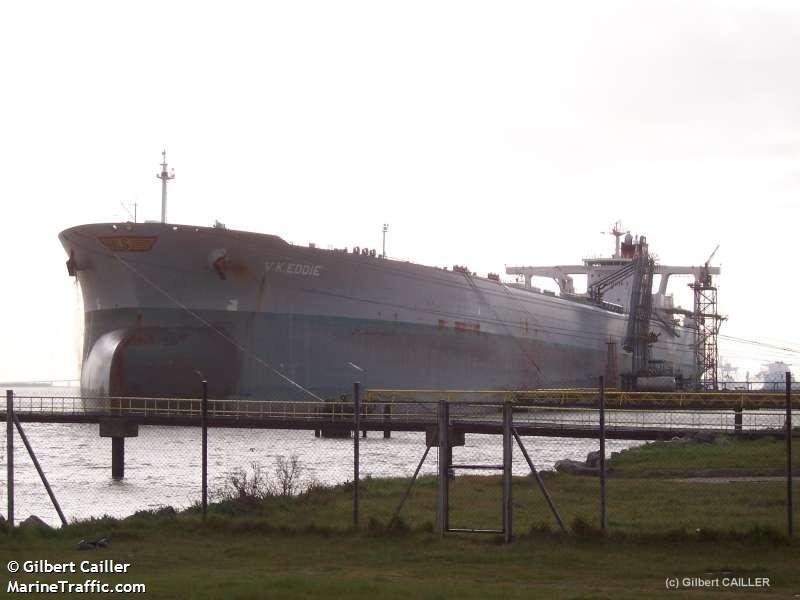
(387, 419)
(118, 429)
(117, 457)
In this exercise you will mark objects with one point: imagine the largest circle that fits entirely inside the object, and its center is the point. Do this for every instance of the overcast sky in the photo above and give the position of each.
(485, 134)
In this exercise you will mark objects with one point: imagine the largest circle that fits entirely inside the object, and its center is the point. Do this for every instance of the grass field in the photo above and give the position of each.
(304, 545)
(647, 506)
(745, 456)
(635, 504)
(247, 558)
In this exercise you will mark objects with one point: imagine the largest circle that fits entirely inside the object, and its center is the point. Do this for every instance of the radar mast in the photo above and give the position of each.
(617, 231)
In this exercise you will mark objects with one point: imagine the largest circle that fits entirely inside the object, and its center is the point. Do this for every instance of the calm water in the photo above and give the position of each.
(162, 464)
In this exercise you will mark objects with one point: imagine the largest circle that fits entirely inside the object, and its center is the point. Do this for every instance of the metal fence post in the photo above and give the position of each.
(737, 418)
(356, 431)
(442, 500)
(10, 455)
(602, 454)
(204, 426)
(39, 470)
(507, 463)
(789, 500)
(539, 481)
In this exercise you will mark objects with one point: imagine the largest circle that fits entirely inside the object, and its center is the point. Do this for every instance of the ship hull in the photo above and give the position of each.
(271, 320)
(171, 355)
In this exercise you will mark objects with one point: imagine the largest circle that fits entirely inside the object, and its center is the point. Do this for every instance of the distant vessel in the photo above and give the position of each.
(167, 305)
(773, 376)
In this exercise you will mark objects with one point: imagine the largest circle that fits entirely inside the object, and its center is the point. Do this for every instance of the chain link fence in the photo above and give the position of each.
(376, 463)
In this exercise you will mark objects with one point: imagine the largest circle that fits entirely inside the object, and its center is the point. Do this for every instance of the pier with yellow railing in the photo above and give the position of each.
(568, 413)
(587, 397)
(556, 412)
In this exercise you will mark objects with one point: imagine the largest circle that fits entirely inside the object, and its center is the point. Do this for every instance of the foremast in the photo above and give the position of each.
(164, 176)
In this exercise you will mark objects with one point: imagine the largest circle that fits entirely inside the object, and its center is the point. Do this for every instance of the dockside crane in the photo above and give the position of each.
(707, 322)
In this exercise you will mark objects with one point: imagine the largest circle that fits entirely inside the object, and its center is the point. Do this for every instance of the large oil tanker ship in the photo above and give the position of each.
(167, 305)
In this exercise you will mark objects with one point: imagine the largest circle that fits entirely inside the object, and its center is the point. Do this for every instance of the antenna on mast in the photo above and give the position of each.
(164, 176)
(617, 231)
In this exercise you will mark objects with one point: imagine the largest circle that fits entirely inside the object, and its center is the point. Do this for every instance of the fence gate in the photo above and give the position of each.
(445, 441)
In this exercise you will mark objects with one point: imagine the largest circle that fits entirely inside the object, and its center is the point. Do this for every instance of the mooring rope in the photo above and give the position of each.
(221, 333)
(482, 298)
